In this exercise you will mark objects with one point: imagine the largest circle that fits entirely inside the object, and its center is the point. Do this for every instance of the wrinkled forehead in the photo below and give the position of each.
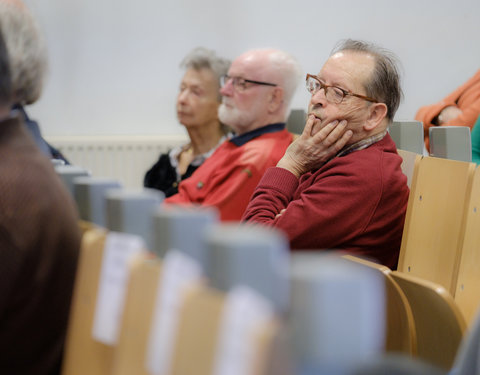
(348, 69)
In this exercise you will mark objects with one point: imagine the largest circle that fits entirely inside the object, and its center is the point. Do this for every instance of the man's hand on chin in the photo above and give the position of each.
(315, 146)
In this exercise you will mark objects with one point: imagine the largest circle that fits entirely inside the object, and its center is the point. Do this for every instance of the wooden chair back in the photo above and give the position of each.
(400, 331)
(130, 353)
(198, 331)
(84, 355)
(467, 291)
(434, 222)
(439, 323)
(409, 164)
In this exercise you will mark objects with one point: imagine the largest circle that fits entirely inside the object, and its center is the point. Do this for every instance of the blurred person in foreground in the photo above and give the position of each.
(340, 185)
(460, 108)
(28, 65)
(39, 245)
(256, 98)
(197, 109)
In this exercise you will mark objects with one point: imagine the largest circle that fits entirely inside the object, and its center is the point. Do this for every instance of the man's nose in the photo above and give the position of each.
(319, 97)
(227, 89)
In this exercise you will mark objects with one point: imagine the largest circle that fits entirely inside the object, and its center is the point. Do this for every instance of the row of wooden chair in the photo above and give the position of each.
(449, 142)
(423, 320)
(419, 262)
(200, 318)
(440, 240)
(309, 332)
(434, 295)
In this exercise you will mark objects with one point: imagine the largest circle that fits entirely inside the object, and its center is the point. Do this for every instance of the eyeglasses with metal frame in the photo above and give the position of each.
(240, 84)
(333, 94)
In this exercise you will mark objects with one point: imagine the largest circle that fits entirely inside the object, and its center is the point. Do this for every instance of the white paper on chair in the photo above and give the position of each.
(119, 249)
(179, 271)
(245, 311)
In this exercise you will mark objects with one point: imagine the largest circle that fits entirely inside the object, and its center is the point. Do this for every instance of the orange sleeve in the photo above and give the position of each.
(469, 93)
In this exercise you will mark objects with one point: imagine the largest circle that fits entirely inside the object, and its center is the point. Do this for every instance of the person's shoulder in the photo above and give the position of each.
(274, 138)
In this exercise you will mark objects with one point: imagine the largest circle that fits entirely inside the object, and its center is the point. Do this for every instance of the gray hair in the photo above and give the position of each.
(26, 50)
(384, 83)
(203, 58)
(290, 71)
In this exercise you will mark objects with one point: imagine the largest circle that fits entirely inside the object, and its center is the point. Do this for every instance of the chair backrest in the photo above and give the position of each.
(439, 323)
(255, 256)
(409, 163)
(467, 292)
(400, 330)
(451, 142)
(68, 173)
(131, 211)
(407, 135)
(183, 228)
(434, 222)
(89, 193)
(337, 315)
(83, 354)
(296, 121)
(218, 334)
(198, 332)
(131, 350)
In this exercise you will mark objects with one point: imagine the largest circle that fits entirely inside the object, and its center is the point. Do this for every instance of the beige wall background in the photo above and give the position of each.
(114, 63)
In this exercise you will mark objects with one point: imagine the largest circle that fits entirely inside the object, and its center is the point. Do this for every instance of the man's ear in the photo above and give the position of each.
(276, 99)
(377, 112)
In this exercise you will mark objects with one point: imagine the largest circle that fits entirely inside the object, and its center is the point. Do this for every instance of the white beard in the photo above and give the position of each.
(235, 118)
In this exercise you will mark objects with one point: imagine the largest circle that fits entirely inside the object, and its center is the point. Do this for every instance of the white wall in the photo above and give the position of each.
(114, 63)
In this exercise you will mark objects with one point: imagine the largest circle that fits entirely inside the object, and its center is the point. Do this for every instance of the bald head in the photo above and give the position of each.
(383, 83)
(26, 50)
(266, 101)
(279, 67)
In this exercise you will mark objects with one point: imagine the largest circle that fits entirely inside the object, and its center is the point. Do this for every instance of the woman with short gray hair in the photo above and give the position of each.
(197, 105)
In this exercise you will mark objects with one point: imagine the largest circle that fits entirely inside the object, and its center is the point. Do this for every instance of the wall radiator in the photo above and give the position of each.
(124, 158)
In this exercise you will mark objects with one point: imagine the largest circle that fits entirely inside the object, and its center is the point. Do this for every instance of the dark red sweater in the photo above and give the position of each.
(355, 203)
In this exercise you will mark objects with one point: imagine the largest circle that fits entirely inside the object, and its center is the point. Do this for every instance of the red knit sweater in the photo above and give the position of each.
(355, 203)
(227, 179)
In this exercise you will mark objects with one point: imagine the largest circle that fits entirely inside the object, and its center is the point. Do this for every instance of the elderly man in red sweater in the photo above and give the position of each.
(340, 184)
(256, 95)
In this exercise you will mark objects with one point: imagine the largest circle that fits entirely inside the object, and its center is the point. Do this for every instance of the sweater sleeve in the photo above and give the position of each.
(469, 115)
(428, 113)
(326, 210)
(273, 194)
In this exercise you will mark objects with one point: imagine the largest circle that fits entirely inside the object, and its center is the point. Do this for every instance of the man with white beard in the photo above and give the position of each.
(256, 98)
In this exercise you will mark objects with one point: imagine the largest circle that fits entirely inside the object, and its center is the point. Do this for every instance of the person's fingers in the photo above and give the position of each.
(335, 134)
(327, 129)
(307, 130)
(339, 144)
